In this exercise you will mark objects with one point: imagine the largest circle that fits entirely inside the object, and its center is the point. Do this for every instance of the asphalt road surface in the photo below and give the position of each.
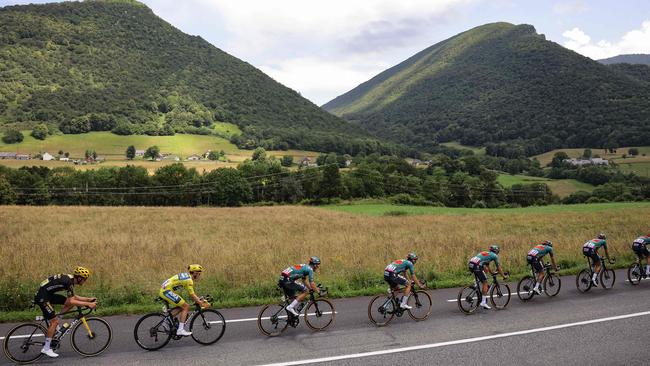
(601, 327)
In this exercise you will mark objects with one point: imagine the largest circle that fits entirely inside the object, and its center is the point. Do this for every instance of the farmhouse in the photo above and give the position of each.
(47, 157)
(7, 155)
(171, 157)
(139, 153)
(23, 157)
(582, 162)
(193, 157)
(307, 162)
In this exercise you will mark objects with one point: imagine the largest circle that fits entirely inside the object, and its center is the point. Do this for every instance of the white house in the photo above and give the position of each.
(582, 162)
(47, 157)
(63, 158)
(193, 157)
(139, 153)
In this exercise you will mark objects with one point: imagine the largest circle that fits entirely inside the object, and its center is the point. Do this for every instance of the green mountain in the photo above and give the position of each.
(115, 65)
(501, 83)
(641, 59)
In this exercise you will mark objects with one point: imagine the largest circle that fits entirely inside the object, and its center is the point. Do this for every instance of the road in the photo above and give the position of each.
(601, 327)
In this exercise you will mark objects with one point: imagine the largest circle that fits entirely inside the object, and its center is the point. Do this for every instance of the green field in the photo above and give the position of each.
(227, 129)
(379, 209)
(561, 187)
(457, 145)
(546, 157)
(639, 168)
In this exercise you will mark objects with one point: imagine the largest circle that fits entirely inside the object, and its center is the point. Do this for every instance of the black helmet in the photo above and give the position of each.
(412, 257)
(548, 242)
(495, 249)
(602, 236)
(314, 260)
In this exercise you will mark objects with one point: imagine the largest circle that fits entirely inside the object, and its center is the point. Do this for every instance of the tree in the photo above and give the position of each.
(213, 156)
(586, 154)
(227, 187)
(130, 152)
(40, 131)
(13, 136)
(287, 160)
(67, 154)
(558, 159)
(259, 154)
(60, 152)
(633, 151)
(331, 185)
(75, 125)
(153, 152)
(7, 194)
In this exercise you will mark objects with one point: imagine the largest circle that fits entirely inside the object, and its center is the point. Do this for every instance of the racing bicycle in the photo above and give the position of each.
(551, 284)
(606, 278)
(469, 297)
(382, 309)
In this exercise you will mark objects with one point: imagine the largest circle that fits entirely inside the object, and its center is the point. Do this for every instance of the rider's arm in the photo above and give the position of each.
(75, 300)
(415, 278)
(554, 263)
(85, 299)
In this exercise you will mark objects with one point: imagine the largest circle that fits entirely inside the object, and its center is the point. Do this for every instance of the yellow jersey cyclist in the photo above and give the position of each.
(290, 285)
(480, 264)
(640, 248)
(172, 285)
(590, 249)
(534, 258)
(47, 295)
(393, 276)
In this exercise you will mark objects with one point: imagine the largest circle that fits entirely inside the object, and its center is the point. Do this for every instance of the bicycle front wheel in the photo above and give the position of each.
(420, 303)
(207, 326)
(607, 278)
(23, 343)
(583, 280)
(525, 288)
(152, 331)
(319, 314)
(381, 310)
(500, 296)
(552, 285)
(634, 274)
(272, 320)
(91, 338)
(468, 299)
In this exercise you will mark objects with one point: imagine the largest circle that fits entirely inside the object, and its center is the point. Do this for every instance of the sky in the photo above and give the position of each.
(323, 49)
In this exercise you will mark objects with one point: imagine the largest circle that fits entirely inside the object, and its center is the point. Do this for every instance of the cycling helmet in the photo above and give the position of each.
(602, 236)
(314, 260)
(195, 268)
(548, 242)
(494, 249)
(412, 257)
(82, 272)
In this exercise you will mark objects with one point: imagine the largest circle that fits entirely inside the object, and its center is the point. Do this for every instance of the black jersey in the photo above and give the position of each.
(56, 283)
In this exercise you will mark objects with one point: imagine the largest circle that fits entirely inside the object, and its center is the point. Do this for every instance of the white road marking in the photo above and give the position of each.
(24, 336)
(643, 279)
(460, 341)
(475, 298)
(265, 318)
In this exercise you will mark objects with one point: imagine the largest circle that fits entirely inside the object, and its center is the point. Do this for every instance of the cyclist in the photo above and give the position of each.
(590, 249)
(479, 265)
(168, 293)
(47, 295)
(392, 275)
(534, 258)
(640, 248)
(289, 282)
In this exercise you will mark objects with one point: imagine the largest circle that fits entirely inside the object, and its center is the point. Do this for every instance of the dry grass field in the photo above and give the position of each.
(132, 250)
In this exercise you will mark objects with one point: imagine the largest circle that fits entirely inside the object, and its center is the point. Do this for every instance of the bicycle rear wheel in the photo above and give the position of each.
(152, 331)
(634, 274)
(552, 285)
(319, 314)
(381, 310)
(24, 342)
(468, 299)
(93, 340)
(420, 303)
(272, 320)
(607, 278)
(500, 295)
(525, 288)
(583, 280)
(207, 326)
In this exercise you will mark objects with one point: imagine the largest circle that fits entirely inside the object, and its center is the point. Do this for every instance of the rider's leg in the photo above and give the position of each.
(407, 292)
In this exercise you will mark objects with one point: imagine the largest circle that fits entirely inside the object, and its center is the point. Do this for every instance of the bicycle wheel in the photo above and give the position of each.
(319, 314)
(272, 320)
(207, 327)
(583, 280)
(152, 331)
(381, 310)
(468, 299)
(91, 340)
(24, 342)
(525, 288)
(420, 303)
(634, 274)
(500, 296)
(552, 284)
(607, 278)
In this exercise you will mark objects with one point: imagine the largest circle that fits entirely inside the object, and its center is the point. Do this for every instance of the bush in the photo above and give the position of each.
(13, 136)
(407, 199)
(395, 213)
(40, 132)
(596, 200)
(633, 151)
(479, 204)
(577, 197)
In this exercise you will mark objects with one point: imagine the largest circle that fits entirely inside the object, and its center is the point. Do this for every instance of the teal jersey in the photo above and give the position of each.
(484, 258)
(400, 266)
(595, 244)
(641, 242)
(299, 271)
(540, 250)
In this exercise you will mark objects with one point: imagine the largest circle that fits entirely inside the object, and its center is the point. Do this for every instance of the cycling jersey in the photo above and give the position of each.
(299, 271)
(640, 244)
(484, 258)
(595, 244)
(56, 283)
(400, 266)
(540, 251)
(179, 281)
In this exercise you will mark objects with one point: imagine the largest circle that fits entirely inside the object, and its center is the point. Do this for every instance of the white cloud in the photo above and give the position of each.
(635, 41)
(570, 7)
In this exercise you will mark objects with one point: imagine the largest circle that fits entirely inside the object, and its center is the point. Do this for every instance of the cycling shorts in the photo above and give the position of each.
(640, 250)
(591, 253)
(394, 280)
(478, 272)
(171, 298)
(45, 303)
(290, 288)
(535, 263)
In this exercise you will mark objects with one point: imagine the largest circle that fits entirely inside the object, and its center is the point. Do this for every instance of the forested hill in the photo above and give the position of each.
(501, 83)
(115, 65)
(641, 59)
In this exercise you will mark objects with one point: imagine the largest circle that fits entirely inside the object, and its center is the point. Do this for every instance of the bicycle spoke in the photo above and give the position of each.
(91, 337)
(23, 343)
(272, 320)
(152, 331)
(381, 310)
(208, 326)
(319, 314)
